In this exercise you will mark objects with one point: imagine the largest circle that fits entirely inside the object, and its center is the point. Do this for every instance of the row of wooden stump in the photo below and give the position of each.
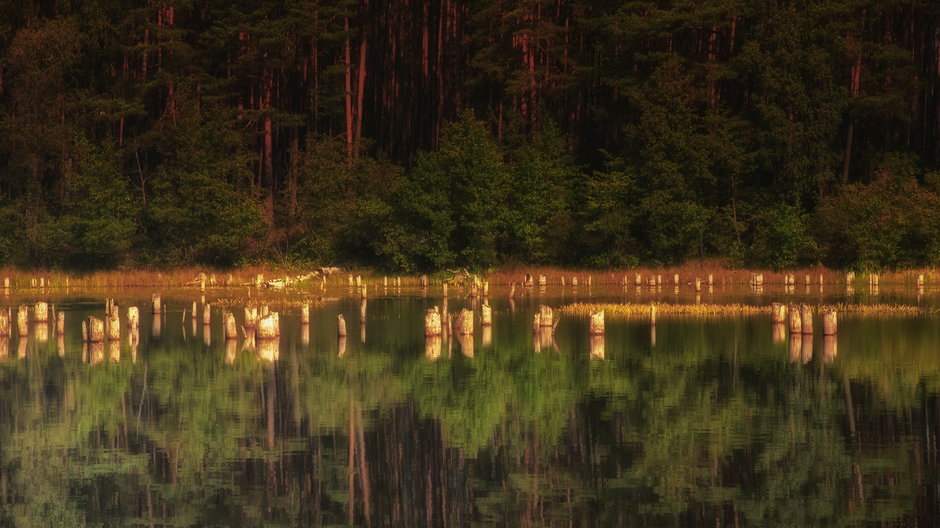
(799, 318)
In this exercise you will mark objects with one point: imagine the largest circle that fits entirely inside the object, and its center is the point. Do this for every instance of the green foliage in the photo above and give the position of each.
(454, 205)
(97, 213)
(893, 221)
(194, 213)
(538, 207)
(781, 238)
(345, 205)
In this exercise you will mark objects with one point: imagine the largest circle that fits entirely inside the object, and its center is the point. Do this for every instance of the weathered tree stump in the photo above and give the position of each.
(574, 281)
(229, 327)
(675, 279)
(698, 284)
(114, 325)
(432, 323)
(207, 314)
(305, 314)
(269, 326)
(95, 330)
(806, 315)
(340, 326)
(444, 288)
(195, 312)
(536, 323)
(464, 323)
(486, 288)
(830, 321)
(251, 316)
(424, 281)
(597, 323)
(652, 315)
(545, 316)
(710, 280)
(157, 307)
(637, 280)
(850, 277)
(486, 315)
(796, 319)
(543, 280)
(920, 281)
(778, 313)
(133, 318)
(41, 312)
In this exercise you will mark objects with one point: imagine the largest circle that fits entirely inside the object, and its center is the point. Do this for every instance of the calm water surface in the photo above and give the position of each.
(715, 422)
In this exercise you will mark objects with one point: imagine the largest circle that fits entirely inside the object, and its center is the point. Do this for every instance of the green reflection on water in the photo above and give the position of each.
(709, 422)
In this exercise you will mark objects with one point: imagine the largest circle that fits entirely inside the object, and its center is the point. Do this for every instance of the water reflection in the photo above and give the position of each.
(432, 347)
(712, 428)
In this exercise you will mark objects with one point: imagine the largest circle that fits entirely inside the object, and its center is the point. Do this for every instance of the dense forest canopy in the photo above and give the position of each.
(418, 135)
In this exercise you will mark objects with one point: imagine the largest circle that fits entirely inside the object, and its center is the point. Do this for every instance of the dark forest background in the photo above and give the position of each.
(420, 135)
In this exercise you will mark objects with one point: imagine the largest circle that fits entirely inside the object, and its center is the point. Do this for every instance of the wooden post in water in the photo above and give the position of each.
(95, 330)
(6, 283)
(710, 280)
(920, 281)
(698, 284)
(543, 280)
(133, 318)
(207, 314)
(849, 278)
(157, 307)
(778, 313)
(486, 289)
(637, 280)
(830, 320)
(486, 315)
(114, 325)
(365, 291)
(424, 281)
(675, 279)
(229, 327)
(806, 315)
(251, 316)
(22, 320)
(432, 323)
(464, 322)
(652, 315)
(545, 316)
(195, 313)
(41, 312)
(340, 326)
(269, 326)
(574, 281)
(597, 323)
(444, 287)
(536, 323)
(796, 320)
(305, 314)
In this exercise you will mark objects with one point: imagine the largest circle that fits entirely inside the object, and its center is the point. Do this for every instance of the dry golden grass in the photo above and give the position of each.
(627, 310)
(630, 310)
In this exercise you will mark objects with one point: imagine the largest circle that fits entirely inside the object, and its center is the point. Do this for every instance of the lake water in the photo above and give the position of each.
(700, 422)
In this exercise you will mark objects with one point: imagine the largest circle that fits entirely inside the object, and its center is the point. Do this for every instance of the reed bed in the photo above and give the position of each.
(884, 309)
(628, 310)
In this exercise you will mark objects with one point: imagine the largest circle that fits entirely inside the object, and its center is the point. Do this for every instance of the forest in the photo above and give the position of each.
(416, 136)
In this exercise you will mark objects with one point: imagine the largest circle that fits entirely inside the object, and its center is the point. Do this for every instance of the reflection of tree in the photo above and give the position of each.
(714, 426)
